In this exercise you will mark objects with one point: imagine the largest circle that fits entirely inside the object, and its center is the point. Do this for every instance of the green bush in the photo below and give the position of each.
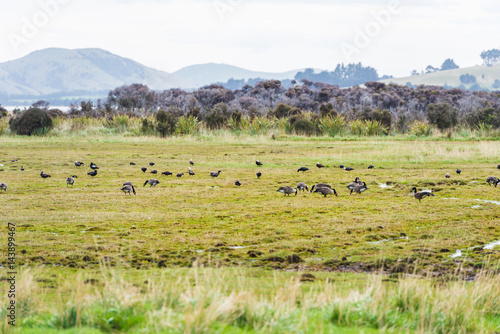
(166, 123)
(33, 121)
(384, 117)
(327, 110)
(217, 117)
(303, 126)
(442, 115)
(333, 126)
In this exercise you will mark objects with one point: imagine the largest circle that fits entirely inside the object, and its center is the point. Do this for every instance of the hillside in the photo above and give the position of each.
(485, 77)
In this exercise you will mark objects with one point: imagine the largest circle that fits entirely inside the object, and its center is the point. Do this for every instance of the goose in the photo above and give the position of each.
(258, 163)
(259, 174)
(302, 169)
(191, 162)
(359, 188)
(93, 166)
(127, 188)
(22, 168)
(287, 190)
(371, 167)
(92, 173)
(348, 169)
(447, 175)
(70, 181)
(459, 171)
(167, 173)
(190, 171)
(151, 163)
(326, 191)
(79, 163)
(180, 174)
(3, 186)
(132, 164)
(320, 185)
(319, 165)
(214, 174)
(144, 169)
(43, 175)
(237, 183)
(151, 182)
(154, 171)
(492, 180)
(302, 186)
(421, 194)
(353, 184)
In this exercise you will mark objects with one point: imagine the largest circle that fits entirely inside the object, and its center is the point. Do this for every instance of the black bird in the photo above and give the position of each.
(79, 163)
(22, 168)
(259, 174)
(154, 171)
(127, 187)
(191, 162)
(151, 163)
(371, 167)
(214, 174)
(421, 194)
(92, 173)
(348, 169)
(132, 163)
(191, 171)
(3, 186)
(74, 176)
(492, 180)
(144, 169)
(320, 185)
(498, 166)
(43, 175)
(258, 163)
(151, 182)
(319, 165)
(447, 175)
(302, 169)
(459, 171)
(180, 174)
(287, 190)
(326, 191)
(93, 166)
(238, 183)
(341, 166)
(167, 173)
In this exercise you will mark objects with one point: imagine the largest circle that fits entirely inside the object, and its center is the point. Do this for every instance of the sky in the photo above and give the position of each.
(393, 36)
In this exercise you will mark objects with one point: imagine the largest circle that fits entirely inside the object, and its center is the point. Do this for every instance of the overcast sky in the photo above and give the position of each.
(393, 36)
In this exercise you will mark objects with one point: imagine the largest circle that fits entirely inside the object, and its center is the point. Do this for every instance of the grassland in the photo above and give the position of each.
(248, 246)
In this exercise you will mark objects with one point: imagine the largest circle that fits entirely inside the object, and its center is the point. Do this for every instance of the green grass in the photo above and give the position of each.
(92, 230)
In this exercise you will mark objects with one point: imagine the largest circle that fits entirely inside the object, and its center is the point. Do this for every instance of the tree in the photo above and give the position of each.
(442, 115)
(449, 64)
(41, 104)
(31, 122)
(490, 56)
(431, 69)
(166, 122)
(467, 79)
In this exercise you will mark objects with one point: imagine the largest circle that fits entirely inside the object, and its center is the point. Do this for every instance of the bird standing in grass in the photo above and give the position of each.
(93, 166)
(22, 168)
(359, 188)
(128, 187)
(191, 162)
(144, 169)
(459, 171)
(154, 171)
(447, 175)
(302, 169)
(237, 183)
(259, 174)
(287, 190)
(167, 173)
(214, 174)
(180, 174)
(70, 181)
(326, 191)
(302, 186)
(43, 175)
(151, 182)
(92, 173)
(190, 171)
(348, 169)
(151, 163)
(493, 180)
(258, 163)
(320, 185)
(79, 163)
(3, 186)
(353, 184)
(421, 194)
(371, 167)
(319, 165)
(132, 164)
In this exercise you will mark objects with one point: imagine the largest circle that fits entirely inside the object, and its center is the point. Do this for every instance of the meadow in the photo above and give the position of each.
(199, 254)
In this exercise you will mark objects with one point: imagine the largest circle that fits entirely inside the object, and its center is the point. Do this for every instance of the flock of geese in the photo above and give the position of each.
(356, 186)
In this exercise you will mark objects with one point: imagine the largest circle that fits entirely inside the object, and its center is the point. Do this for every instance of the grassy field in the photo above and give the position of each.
(249, 245)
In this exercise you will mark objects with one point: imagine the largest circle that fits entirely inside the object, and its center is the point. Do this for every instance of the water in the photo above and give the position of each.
(490, 246)
(486, 201)
(384, 186)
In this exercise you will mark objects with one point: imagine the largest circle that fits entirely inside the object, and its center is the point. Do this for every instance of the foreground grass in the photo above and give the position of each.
(238, 235)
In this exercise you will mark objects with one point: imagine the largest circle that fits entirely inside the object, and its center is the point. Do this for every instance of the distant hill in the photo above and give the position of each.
(205, 74)
(86, 71)
(485, 78)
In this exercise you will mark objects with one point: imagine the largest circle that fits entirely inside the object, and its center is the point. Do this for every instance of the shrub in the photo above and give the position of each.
(284, 111)
(420, 129)
(302, 126)
(467, 79)
(374, 128)
(327, 110)
(384, 117)
(33, 121)
(442, 115)
(333, 126)
(188, 125)
(217, 117)
(166, 122)
(358, 128)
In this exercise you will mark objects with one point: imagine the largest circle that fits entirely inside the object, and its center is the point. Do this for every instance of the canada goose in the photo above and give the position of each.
(3, 186)
(371, 167)
(259, 174)
(70, 181)
(190, 171)
(132, 164)
(43, 175)
(79, 163)
(154, 171)
(258, 163)
(326, 191)
(359, 188)
(319, 165)
(93, 166)
(353, 184)
(421, 194)
(144, 169)
(459, 171)
(447, 175)
(302, 169)
(22, 168)
(237, 183)
(320, 185)
(151, 182)
(167, 173)
(92, 173)
(191, 162)
(348, 169)
(287, 190)
(302, 186)
(492, 180)
(341, 166)
(127, 188)
(180, 174)
(214, 174)
(151, 163)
